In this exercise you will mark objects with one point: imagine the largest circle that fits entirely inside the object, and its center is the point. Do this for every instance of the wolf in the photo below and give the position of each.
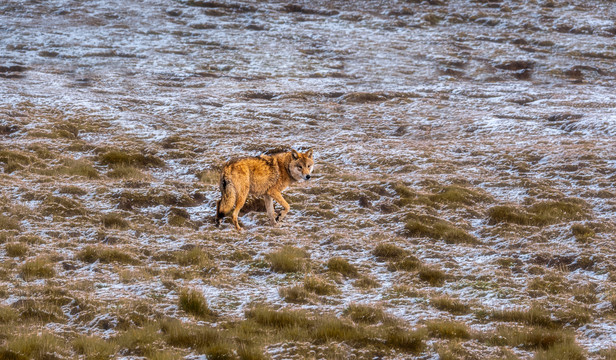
(266, 176)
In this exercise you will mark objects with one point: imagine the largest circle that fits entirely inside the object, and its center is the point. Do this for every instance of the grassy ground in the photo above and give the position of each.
(461, 207)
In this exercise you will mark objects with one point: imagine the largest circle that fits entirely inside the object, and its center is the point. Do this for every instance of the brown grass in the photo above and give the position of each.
(288, 259)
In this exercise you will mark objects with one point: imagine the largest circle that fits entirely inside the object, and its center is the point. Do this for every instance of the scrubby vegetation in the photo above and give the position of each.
(462, 203)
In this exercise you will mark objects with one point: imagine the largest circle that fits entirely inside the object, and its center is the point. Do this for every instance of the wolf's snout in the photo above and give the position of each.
(307, 177)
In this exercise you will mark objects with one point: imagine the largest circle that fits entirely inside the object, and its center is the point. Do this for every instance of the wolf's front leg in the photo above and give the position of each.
(269, 206)
(279, 199)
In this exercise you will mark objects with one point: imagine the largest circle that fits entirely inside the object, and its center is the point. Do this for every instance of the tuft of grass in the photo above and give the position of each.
(407, 340)
(194, 303)
(456, 195)
(448, 329)
(16, 249)
(127, 172)
(288, 259)
(74, 167)
(183, 335)
(9, 223)
(365, 282)
(106, 255)
(195, 256)
(389, 252)
(115, 221)
(568, 349)
(294, 294)
(72, 190)
(39, 268)
(342, 266)
(139, 341)
(93, 347)
(40, 311)
(266, 316)
(319, 286)
(7, 314)
(365, 314)
(438, 229)
(539, 214)
(35, 346)
(453, 306)
(409, 263)
(527, 337)
(117, 158)
(62, 206)
(582, 233)
(432, 275)
(536, 315)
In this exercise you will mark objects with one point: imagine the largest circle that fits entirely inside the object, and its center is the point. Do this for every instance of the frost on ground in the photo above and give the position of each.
(462, 204)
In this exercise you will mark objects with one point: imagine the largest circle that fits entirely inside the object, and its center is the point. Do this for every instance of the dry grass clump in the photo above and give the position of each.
(527, 337)
(582, 233)
(127, 172)
(195, 256)
(72, 190)
(62, 206)
(539, 214)
(366, 282)
(106, 255)
(407, 340)
(451, 305)
(319, 286)
(388, 252)
(454, 195)
(409, 263)
(116, 158)
(536, 315)
(432, 275)
(552, 283)
(14, 160)
(366, 314)
(34, 346)
(153, 197)
(448, 329)
(9, 223)
(44, 311)
(72, 167)
(141, 341)
(342, 266)
(294, 294)
(283, 318)
(568, 349)
(115, 221)
(93, 347)
(194, 303)
(203, 339)
(288, 259)
(39, 268)
(16, 249)
(438, 229)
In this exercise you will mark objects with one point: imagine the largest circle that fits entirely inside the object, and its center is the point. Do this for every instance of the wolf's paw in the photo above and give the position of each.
(278, 218)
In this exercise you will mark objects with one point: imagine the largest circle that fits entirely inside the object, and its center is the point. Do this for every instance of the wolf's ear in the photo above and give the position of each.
(294, 154)
(309, 153)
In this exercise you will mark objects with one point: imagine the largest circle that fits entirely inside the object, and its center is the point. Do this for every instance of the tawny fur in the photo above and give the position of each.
(265, 176)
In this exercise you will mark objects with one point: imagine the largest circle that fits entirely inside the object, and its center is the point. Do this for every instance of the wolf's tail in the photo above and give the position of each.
(227, 201)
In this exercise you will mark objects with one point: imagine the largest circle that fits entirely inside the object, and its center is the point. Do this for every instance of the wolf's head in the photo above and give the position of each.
(301, 165)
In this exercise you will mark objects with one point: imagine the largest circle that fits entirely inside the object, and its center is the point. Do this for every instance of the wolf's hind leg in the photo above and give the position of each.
(279, 199)
(269, 206)
(241, 199)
